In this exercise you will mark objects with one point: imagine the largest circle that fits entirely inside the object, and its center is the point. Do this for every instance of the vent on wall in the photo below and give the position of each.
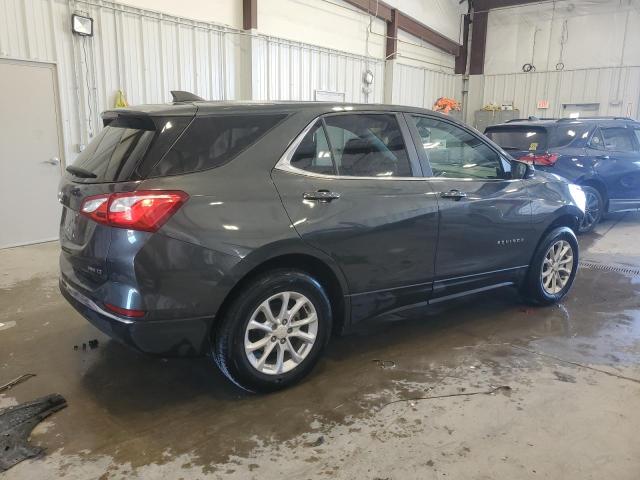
(576, 110)
(326, 96)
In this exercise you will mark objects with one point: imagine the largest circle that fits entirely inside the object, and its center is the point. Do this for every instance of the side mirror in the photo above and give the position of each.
(522, 170)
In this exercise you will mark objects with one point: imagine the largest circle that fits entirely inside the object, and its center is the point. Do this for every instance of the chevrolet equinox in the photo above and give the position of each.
(254, 231)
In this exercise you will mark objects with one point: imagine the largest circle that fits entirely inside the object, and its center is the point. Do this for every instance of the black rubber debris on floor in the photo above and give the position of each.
(16, 424)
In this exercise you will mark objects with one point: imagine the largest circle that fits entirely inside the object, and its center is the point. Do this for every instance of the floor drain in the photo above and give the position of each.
(609, 268)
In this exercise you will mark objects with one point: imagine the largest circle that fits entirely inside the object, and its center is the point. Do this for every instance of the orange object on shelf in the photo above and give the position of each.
(445, 105)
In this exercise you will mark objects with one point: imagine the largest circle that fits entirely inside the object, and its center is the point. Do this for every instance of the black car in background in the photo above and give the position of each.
(252, 232)
(602, 154)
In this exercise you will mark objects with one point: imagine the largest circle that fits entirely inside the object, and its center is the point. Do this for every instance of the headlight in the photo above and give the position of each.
(578, 196)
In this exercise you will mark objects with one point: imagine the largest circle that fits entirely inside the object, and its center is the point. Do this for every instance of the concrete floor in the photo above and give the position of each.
(568, 409)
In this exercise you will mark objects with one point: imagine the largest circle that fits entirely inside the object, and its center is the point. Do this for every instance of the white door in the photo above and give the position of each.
(29, 153)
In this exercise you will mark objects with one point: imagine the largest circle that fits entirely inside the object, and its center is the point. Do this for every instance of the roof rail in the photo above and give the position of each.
(529, 119)
(181, 96)
(625, 119)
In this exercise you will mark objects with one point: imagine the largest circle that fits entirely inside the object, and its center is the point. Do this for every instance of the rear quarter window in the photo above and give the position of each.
(212, 141)
(564, 135)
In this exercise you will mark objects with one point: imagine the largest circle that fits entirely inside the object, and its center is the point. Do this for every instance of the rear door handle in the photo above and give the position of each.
(453, 194)
(321, 196)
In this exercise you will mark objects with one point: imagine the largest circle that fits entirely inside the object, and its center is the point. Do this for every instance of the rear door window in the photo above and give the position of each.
(313, 154)
(354, 145)
(212, 141)
(519, 138)
(368, 145)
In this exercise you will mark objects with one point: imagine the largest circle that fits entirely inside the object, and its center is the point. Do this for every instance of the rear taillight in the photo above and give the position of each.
(126, 312)
(142, 210)
(546, 159)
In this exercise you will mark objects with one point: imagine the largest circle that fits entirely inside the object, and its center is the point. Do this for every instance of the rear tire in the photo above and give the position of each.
(594, 210)
(262, 347)
(553, 268)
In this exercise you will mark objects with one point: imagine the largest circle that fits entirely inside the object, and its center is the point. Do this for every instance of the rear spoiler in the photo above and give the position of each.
(140, 120)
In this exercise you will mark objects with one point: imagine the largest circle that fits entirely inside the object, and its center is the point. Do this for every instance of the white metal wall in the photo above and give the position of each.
(616, 89)
(421, 87)
(289, 70)
(144, 53)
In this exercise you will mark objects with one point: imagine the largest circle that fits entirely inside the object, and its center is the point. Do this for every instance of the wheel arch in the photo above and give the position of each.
(600, 186)
(563, 219)
(328, 275)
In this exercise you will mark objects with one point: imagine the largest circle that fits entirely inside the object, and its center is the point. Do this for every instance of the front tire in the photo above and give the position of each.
(553, 268)
(273, 333)
(594, 210)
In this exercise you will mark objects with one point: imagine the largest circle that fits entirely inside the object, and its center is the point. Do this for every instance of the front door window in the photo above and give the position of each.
(456, 153)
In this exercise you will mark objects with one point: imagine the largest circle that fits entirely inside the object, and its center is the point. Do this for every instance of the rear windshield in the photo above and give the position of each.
(536, 138)
(213, 141)
(128, 147)
(519, 138)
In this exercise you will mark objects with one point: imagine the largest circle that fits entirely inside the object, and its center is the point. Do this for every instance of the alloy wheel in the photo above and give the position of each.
(557, 267)
(281, 333)
(592, 211)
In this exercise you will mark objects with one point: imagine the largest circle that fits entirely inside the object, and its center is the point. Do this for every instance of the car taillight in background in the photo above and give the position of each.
(546, 159)
(142, 210)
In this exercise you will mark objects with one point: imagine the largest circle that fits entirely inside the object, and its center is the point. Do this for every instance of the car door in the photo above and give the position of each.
(352, 187)
(615, 148)
(485, 232)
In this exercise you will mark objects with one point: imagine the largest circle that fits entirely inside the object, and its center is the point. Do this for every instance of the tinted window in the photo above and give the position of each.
(565, 134)
(213, 141)
(456, 153)
(617, 139)
(368, 145)
(313, 153)
(120, 150)
(636, 131)
(519, 138)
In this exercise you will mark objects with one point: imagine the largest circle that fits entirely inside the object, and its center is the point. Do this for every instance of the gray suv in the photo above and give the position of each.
(252, 232)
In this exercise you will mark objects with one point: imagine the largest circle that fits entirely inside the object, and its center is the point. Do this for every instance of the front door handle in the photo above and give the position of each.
(453, 194)
(321, 196)
(602, 157)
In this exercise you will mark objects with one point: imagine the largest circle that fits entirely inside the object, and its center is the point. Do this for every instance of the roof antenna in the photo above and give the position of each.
(181, 96)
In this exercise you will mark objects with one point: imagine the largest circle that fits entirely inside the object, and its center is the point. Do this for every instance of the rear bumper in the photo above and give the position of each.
(169, 338)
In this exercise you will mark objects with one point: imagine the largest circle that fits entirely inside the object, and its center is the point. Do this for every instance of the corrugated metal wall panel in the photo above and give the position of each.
(421, 87)
(616, 90)
(294, 71)
(144, 53)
